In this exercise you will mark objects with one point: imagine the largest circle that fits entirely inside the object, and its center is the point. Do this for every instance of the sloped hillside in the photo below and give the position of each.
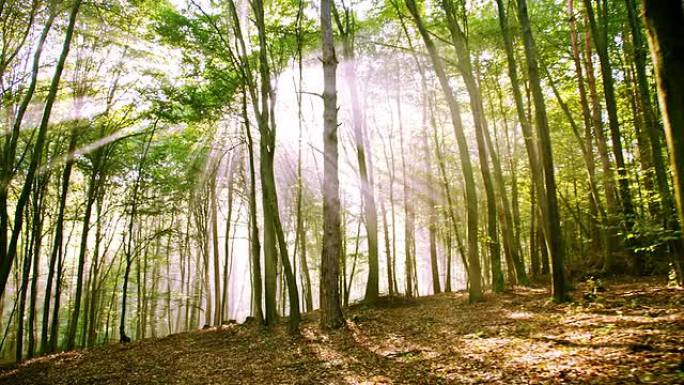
(626, 334)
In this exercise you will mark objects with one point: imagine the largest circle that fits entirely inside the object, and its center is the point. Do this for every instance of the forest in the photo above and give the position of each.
(341, 191)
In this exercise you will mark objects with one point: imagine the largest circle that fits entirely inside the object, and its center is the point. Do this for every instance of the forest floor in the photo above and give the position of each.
(633, 333)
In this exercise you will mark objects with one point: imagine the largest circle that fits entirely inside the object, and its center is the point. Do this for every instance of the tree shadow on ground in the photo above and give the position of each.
(513, 338)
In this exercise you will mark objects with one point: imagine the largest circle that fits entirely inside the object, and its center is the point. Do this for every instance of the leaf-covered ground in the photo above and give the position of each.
(630, 334)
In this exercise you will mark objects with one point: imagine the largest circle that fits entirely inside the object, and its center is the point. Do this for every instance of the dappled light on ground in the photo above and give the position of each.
(623, 336)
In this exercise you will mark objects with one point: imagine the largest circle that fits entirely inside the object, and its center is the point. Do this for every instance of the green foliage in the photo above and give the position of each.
(208, 81)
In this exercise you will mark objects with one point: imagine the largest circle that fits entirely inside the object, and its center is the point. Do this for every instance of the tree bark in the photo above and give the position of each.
(474, 271)
(600, 38)
(213, 209)
(7, 255)
(129, 243)
(331, 313)
(553, 233)
(274, 239)
(597, 214)
(10, 145)
(529, 136)
(409, 213)
(39, 204)
(460, 43)
(664, 21)
(370, 214)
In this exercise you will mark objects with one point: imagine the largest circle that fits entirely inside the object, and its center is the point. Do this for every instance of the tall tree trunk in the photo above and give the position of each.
(10, 145)
(227, 249)
(450, 204)
(301, 233)
(409, 214)
(153, 298)
(596, 211)
(653, 132)
(91, 332)
(612, 211)
(331, 313)
(449, 251)
(528, 134)
(202, 222)
(304, 267)
(509, 210)
(388, 249)
(255, 246)
(459, 41)
(196, 297)
(270, 249)
(348, 282)
(7, 255)
(429, 190)
(32, 249)
(38, 207)
(391, 244)
(85, 229)
(362, 152)
(553, 233)
(664, 21)
(22, 275)
(474, 271)
(129, 243)
(274, 238)
(57, 251)
(600, 38)
(213, 203)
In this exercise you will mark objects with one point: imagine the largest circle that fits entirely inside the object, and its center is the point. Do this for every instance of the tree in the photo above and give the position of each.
(123, 185)
(255, 246)
(600, 38)
(346, 27)
(597, 211)
(460, 42)
(331, 313)
(8, 251)
(551, 212)
(528, 135)
(665, 24)
(130, 250)
(301, 231)
(474, 273)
